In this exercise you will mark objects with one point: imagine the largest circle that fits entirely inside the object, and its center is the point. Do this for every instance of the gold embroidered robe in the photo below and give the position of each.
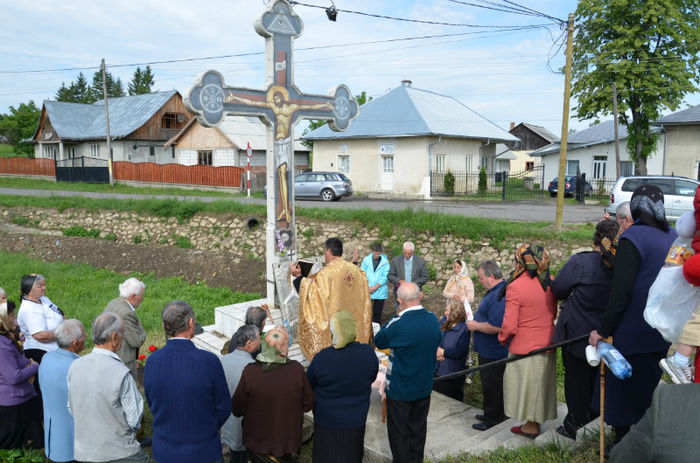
(337, 286)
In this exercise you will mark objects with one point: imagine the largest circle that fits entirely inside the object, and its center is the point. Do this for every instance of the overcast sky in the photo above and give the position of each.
(500, 73)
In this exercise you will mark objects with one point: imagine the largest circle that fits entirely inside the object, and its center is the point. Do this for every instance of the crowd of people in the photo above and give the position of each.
(89, 408)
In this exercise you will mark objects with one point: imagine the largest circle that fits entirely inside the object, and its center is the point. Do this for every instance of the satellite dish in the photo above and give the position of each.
(181, 118)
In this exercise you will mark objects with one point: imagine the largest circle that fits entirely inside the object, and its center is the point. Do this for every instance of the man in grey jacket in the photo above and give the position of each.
(130, 297)
(104, 400)
(244, 343)
(407, 268)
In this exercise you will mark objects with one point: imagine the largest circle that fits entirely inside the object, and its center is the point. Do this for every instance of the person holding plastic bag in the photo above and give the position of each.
(639, 256)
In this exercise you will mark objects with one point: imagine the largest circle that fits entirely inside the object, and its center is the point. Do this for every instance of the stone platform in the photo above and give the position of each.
(450, 422)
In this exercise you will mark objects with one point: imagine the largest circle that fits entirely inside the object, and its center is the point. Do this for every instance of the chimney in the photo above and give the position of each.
(512, 126)
(406, 83)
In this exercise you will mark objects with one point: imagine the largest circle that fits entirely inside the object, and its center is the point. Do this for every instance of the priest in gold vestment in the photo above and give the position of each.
(338, 285)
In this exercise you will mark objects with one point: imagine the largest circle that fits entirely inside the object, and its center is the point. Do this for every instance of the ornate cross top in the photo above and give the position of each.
(280, 104)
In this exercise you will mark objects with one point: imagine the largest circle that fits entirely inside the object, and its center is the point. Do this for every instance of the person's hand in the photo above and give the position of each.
(606, 216)
(401, 282)
(294, 269)
(31, 380)
(472, 325)
(440, 354)
(31, 362)
(594, 338)
(355, 255)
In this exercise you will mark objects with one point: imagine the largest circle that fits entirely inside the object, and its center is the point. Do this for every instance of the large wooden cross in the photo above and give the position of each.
(280, 105)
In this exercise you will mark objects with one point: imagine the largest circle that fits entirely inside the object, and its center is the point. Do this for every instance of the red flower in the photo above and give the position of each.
(152, 348)
(142, 357)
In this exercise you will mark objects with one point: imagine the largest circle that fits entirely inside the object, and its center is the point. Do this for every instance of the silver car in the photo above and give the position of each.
(678, 192)
(329, 186)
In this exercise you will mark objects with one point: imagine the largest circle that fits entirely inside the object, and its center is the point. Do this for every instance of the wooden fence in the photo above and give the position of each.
(25, 166)
(225, 176)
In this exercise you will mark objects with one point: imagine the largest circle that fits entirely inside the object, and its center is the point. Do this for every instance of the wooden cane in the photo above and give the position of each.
(602, 411)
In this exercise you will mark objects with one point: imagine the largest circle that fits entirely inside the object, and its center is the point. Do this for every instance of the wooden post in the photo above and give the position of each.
(565, 124)
(617, 138)
(109, 144)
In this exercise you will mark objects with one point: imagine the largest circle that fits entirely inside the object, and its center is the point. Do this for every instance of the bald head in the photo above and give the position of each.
(408, 295)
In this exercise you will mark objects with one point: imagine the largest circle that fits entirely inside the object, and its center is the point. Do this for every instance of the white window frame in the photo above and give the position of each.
(95, 150)
(600, 165)
(440, 163)
(344, 164)
(469, 163)
(570, 164)
(388, 167)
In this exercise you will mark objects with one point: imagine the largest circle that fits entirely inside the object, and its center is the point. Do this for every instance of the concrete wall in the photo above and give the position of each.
(683, 150)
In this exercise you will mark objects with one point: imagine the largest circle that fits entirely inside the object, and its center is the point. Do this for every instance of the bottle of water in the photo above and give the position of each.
(289, 331)
(614, 360)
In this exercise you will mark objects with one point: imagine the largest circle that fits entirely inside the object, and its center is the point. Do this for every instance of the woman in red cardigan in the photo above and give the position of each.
(529, 385)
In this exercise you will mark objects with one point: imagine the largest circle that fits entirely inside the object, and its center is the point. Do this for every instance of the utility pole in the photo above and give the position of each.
(109, 142)
(617, 138)
(565, 124)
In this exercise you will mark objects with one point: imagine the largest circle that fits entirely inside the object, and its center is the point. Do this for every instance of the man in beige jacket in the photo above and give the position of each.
(130, 297)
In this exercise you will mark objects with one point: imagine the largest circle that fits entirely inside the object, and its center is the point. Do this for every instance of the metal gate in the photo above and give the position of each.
(525, 184)
(82, 169)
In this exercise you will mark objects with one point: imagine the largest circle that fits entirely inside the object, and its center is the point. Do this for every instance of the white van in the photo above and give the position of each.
(678, 192)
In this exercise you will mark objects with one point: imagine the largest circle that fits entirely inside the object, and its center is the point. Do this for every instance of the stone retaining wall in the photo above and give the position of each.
(228, 232)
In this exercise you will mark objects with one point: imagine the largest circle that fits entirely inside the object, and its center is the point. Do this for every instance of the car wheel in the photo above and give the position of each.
(327, 194)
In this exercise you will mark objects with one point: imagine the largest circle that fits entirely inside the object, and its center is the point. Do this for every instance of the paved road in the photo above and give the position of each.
(529, 211)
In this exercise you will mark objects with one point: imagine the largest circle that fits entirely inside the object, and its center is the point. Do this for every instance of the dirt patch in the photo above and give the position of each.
(215, 268)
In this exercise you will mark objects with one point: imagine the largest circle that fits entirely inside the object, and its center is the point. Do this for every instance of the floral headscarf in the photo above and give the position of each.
(275, 347)
(534, 260)
(343, 329)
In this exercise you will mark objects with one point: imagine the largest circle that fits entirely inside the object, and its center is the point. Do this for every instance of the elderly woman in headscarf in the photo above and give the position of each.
(38, 317)
(459, 287)
(20, 407)
(583, 284)
(272, 396)
(640, 254)
(529, 385)
(341, 378)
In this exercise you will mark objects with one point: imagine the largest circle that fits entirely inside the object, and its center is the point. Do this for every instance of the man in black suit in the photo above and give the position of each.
(407, 267)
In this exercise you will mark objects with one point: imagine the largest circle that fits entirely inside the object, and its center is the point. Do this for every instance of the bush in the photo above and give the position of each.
(19, 220)
(110, 237)
(77, 230)
(183, 242)
(449, 183)
(482, 181)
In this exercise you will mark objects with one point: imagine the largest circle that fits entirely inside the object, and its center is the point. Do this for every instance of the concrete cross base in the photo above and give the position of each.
(228, 319)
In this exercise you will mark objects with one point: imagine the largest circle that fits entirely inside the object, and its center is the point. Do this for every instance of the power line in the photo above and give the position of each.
(395, 18)
(509, 7)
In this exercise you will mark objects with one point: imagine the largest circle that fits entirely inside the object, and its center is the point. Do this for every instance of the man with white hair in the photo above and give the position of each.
(413, 336)
(104, 400)
(53, 372)
(130, 297)
(624, 216)
(407, 268)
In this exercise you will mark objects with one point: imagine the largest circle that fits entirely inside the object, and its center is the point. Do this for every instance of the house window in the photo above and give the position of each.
(344, 164)
(440, 163)
(388, 164)
(95, 150)
(172, 121)
(599, 166)
(484, 163)
(626, 168)
(204, 157)
(470, 163)
(571, 167)
(152, 150)
(530, 165)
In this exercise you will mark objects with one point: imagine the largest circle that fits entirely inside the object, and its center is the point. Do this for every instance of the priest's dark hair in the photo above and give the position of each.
(335, 246)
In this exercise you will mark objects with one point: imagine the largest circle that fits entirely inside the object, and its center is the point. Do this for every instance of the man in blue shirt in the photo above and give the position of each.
(485, 327)
(413, 336)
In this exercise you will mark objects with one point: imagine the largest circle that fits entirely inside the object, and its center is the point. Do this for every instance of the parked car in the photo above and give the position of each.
(678, 192)
(569, 186)
(329, 186)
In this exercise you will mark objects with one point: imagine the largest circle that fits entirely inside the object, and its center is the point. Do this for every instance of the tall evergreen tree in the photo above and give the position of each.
(141, 82)
(76, 92)
(114, 86)
(649, 48)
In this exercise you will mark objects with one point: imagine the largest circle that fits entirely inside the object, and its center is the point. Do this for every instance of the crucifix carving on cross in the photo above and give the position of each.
(280, 105)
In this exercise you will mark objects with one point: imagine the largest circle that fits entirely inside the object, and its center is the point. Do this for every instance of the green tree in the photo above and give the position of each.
(649, 49)
(449, 182)
(76, 92)
(19, 125)
(483, 185)
(141, 82)
(114, 86)
(362, 98)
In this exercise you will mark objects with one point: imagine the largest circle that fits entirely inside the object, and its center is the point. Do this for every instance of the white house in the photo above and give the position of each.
(682, 131)
(593, 152)
(400, 137)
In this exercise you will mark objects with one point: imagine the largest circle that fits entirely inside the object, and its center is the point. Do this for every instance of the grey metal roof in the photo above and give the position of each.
(504, 153)
(406, 111)
(541, 131)
(687, 116)
(595, 135)
(83, 121)
(241, 130)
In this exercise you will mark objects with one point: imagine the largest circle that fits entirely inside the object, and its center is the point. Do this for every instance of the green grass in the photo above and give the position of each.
(38, 184)
(6, 152)
(82, 291)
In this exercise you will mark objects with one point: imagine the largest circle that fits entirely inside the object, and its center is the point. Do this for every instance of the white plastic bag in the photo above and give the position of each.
(670, 303)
